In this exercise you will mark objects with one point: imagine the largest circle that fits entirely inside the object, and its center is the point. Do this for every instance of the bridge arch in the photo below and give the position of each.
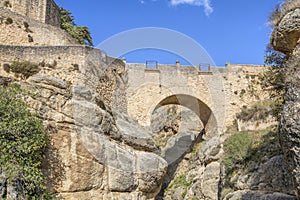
(144, 100)
(184, 141)
(201, 109)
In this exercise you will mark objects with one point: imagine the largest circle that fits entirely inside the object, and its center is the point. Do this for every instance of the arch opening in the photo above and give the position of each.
(202, 110)
(184, 109)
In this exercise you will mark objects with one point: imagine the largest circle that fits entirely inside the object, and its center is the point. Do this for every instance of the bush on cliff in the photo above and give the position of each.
(25, 68)
(23, 141)
(240, 148)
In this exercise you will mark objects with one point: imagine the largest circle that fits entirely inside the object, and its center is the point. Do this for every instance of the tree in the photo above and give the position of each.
(23, 140)
(273, 79)
(80, 33)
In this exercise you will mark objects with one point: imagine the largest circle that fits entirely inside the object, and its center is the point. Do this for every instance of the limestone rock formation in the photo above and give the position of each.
(96, 151)
(287, 32)
(258, 179)
(286, 38)
(194, 164)
(248, 194)
(290, 121)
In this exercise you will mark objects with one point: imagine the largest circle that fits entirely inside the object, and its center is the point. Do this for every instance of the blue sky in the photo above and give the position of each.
(232, 31)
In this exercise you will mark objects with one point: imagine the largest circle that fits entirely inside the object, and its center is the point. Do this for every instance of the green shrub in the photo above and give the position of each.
(258, 111)
(180, 181)
(236, 148)
(242, 147)
(23, 141)
(26, 69)
(197, 147)
(273, 80)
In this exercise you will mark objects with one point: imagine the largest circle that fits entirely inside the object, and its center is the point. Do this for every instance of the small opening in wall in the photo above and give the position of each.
(7, 4)
(30, 38)
(204, 67)
(151, 64)
(9, 21)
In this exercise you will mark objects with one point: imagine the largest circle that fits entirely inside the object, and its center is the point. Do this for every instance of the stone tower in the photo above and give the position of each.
(45, 11)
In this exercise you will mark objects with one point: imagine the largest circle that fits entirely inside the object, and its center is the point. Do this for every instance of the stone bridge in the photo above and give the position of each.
(215, 95)
(201, 91)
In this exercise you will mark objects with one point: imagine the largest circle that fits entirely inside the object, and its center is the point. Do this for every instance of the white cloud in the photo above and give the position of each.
(205, 3)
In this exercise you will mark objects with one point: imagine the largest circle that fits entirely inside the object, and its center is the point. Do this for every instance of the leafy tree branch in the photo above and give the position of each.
(80, 33)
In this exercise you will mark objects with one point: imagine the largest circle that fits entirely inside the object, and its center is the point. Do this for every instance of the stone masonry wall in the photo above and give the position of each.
(45, 11)
(66, 58)
(66, 55)
(52, 14)
(147, 87)
(224, 90)
(17, 29)
(241, 88)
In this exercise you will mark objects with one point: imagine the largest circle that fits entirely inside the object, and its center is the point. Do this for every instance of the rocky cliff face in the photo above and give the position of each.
(193, 163)
(96, 151)
(255, 168)
(286, 38)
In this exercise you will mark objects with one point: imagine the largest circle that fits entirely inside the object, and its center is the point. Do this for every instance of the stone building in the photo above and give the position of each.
(45, 11)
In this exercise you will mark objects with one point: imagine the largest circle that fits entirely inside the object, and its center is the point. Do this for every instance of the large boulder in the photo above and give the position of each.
(286, 34)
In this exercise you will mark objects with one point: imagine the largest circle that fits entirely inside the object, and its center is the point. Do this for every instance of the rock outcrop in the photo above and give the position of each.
(248, 194)
(96, 151)
(287, 32)
(286, 38)
(193, 163)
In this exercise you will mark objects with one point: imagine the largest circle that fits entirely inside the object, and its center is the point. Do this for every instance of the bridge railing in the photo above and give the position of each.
(204, 67)
(151, 64)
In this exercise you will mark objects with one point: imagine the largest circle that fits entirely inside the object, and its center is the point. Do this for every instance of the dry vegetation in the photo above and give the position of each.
(282, 9)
